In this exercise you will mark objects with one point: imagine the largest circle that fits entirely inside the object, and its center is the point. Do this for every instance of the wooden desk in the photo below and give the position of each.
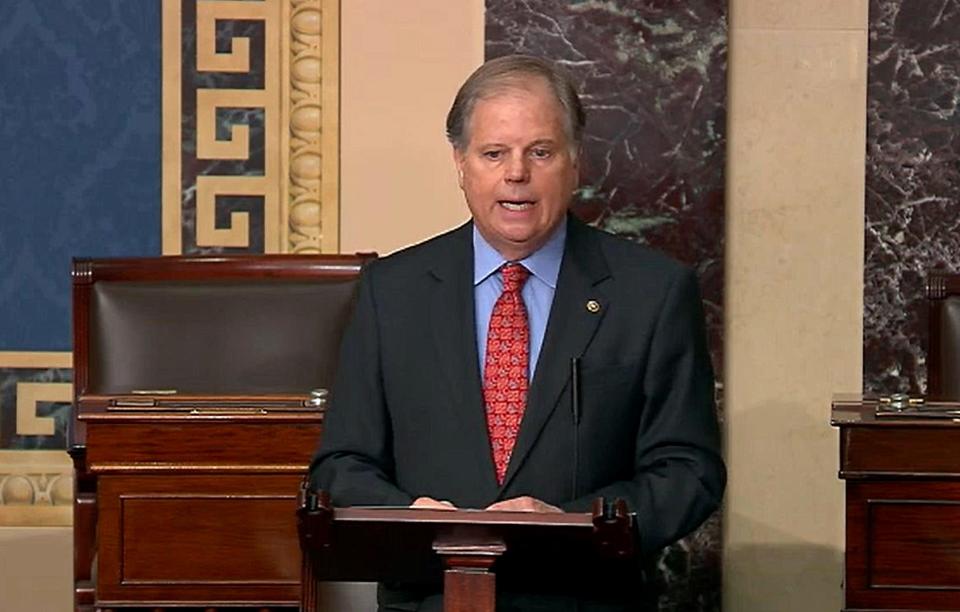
(903, 508)
(198, 508)
(187, 494)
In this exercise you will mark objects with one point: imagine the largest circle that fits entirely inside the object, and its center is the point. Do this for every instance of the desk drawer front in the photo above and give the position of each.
(903, 545)
(228, 538)
(209, 443)
(888, 450)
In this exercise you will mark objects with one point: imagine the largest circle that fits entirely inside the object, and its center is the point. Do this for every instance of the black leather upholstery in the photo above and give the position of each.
(261, 336)
(224, 325)
(949, 357)
(943, 339)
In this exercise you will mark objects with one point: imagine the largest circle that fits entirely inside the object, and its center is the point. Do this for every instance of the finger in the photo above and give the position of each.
(523, 504)
(545, 507)
(433, 504)
(512, 505)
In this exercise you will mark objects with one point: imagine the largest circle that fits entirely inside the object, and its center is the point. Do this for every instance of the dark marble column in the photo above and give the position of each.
(913, 180)
(653, 77)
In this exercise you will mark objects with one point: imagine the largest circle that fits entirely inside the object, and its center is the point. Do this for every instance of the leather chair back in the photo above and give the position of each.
(235, 325)
(943, 349)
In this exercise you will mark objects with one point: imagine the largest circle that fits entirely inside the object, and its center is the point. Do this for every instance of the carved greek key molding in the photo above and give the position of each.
(29, 394)
(37, 359)
(255, 160)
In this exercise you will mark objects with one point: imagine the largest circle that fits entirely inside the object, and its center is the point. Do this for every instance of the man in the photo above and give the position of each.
(454, 385)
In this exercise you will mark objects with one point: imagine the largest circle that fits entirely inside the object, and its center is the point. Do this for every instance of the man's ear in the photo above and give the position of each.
(458, 161)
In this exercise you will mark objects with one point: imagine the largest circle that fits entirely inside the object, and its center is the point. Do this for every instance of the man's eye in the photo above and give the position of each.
(540, 153)
(492, 154)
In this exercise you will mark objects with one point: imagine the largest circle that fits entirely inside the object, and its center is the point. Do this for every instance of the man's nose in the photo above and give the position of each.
(517, 170)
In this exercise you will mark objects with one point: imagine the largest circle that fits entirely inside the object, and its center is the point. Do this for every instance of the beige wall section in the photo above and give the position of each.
(401, 65)
(794, 293)
(36, 569)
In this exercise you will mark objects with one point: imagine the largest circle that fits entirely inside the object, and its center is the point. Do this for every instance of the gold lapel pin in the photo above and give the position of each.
(593, 306)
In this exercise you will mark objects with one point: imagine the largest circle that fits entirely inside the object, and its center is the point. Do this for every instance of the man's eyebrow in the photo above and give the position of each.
(535, 143)
(540, 142)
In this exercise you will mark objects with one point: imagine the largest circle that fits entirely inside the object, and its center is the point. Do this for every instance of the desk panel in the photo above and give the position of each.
(198, 538)
(902, 509)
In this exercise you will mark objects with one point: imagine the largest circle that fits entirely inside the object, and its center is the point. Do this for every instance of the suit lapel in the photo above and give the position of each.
(453, 322)
(570, 328)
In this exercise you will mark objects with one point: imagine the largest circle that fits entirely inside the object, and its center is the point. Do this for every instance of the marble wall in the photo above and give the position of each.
(653, 78)
(913, 181)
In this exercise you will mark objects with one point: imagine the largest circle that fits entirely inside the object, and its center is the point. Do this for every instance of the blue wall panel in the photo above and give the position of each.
(80, 108)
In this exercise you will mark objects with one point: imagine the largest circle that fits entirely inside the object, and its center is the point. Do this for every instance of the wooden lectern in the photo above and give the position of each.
(471, 549)
(194, 423)
(900, 460)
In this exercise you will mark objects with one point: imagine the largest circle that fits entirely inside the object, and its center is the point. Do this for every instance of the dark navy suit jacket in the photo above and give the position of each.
(407, 415)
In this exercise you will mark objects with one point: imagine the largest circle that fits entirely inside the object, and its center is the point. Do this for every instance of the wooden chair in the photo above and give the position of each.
(943, 349)
(193, 425)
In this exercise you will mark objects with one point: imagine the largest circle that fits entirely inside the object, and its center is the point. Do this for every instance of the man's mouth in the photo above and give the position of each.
(516, 205)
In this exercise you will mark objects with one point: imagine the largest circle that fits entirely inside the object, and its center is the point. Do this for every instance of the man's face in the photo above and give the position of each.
(517, 172)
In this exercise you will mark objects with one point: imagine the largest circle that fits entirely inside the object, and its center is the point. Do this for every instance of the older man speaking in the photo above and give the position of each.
(454, 386)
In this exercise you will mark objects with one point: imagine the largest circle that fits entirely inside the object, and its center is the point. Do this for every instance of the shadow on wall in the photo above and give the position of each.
(785, 576)
(786, 553)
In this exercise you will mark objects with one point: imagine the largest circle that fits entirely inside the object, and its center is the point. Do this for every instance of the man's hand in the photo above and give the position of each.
(433, 504)
(523, 504)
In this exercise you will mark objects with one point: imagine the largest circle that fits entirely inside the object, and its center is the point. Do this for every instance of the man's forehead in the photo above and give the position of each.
(528, 129)
(539, 105)
(494, 120)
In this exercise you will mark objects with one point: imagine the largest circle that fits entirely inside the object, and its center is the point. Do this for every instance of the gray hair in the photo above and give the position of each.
(511, 72)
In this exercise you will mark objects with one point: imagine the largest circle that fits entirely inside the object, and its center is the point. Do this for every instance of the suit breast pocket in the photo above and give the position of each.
(610, 378)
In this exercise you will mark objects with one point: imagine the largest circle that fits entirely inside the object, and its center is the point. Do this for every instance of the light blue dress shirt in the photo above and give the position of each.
(544, 267)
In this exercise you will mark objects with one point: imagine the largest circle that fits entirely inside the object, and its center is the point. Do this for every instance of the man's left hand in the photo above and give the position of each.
(523, 504)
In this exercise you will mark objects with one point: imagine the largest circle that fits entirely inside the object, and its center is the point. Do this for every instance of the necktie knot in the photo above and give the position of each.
(514, 276)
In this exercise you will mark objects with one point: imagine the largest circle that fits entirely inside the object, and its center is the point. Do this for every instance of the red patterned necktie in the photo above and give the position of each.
(505, 366)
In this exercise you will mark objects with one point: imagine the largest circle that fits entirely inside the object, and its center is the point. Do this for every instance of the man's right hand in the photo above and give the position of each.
(433, 504)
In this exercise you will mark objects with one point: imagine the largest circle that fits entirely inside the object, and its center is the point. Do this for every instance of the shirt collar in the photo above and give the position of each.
(544, 263)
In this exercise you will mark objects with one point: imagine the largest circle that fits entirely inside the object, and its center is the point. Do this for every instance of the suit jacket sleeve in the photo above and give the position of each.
(355, 460)
(679, 475)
